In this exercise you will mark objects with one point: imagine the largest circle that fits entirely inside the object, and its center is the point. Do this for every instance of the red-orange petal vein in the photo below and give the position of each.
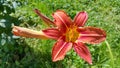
(60, 49)
(80, 19)
(82, 51)
(52, 33)
(91, 35)
(62, 20)
(44, 18)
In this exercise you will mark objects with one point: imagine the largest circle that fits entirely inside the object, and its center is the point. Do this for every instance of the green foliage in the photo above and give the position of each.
(18, 52)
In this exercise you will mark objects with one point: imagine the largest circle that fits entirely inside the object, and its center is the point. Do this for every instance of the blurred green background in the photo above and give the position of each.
(19, 52)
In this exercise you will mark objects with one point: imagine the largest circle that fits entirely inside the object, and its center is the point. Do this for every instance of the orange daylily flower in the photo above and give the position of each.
(68, 33)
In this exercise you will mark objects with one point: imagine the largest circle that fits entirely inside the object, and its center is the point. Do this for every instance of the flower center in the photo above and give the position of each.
(72, 34)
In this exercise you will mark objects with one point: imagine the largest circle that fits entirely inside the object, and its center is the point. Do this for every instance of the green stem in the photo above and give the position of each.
(111, 55)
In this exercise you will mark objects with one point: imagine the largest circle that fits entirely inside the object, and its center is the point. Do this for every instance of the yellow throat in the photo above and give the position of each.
(71, 34)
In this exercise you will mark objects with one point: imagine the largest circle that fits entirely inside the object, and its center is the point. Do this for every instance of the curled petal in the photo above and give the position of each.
(60, 49)
(44, 18)
(82, 51)
(25, 32)
(62, 20)
(52, 33)
(91, 35)
(80, 19)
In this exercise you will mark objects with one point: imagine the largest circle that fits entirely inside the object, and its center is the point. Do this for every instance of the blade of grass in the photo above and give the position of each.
(110, 53)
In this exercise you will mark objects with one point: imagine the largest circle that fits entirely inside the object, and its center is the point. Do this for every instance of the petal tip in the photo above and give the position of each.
(57, 59)
(90, 63)
(83, 12)
(53, 60)
(15, 30)
(36, 10)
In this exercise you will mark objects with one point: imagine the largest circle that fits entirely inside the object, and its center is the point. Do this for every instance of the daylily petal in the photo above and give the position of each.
(91, 35)
(44, 18)
(60, 49)
(82, 51)
(62, 20)
(80, 18)
(52, 33)
(25, 32)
